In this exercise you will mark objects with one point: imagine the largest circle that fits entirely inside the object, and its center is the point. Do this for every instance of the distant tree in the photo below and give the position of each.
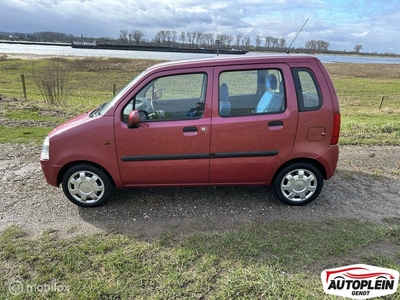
(246, 41)
(268, 42)
(137, 36)
(183, 37)
(168, 36)
(311, 45)
(258, 41)
(199, 38)
(123, 36)
(208, 39)
(317, 46)
(189, 37)
(51, 36)
(357, 48)
(158, 38)
(275, 43)
(238, 40)
(282, 43)
(224, 39)
(229, 40)
(173, 37)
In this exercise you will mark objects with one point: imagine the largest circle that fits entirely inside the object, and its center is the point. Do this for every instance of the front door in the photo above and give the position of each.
(171, 144)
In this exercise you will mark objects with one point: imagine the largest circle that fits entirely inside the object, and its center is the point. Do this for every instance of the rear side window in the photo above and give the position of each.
(249, 92)
(307, 89)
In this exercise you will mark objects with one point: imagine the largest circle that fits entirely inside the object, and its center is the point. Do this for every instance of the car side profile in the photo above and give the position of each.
(269, 120)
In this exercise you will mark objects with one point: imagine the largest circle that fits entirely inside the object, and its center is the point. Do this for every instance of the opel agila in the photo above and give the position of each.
(270, 120)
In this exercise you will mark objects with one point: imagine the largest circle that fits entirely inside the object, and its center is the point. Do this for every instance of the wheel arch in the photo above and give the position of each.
(310, 161)
(82, 162)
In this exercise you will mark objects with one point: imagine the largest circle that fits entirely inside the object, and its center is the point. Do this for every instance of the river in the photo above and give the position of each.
(71, 52)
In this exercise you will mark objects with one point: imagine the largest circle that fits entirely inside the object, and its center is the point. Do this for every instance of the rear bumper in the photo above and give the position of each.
(329, 160)
(50, 172)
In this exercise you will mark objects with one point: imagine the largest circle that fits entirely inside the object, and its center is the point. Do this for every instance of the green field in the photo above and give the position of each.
(274, 260)
(369, 95)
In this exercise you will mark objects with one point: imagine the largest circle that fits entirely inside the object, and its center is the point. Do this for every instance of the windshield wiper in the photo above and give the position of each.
(96, 112)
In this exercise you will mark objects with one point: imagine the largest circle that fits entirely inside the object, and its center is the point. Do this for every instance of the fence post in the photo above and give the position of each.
(23, 85)
(380, 105)
(113, 89)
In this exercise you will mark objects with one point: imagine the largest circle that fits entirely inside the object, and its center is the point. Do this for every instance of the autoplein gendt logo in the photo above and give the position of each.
(360, 281)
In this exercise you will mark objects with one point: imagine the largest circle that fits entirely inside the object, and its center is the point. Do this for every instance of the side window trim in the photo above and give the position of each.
(158, 113)
(267, 97)
(299, 89)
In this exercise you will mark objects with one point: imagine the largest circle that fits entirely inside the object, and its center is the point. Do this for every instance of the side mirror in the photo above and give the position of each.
(133, 119)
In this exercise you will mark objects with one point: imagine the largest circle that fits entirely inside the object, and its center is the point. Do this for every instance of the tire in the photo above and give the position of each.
(298, 184)
(86, 185)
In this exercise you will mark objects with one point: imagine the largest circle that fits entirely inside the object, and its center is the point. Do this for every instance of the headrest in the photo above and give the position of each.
(271, 82)
(223, 92)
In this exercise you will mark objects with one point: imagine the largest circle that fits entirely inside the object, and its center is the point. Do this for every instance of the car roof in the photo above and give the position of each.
(237, 59)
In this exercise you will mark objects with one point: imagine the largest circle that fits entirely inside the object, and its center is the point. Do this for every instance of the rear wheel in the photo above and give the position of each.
(86, 185)
(298, 183)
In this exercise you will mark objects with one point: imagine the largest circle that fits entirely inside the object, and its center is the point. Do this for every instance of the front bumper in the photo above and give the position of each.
(50, 172)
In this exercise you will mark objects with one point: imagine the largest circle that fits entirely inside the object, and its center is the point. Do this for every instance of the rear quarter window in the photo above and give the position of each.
(307, 89)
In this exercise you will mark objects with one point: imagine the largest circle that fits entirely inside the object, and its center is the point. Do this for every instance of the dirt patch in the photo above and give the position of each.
(16, 103)
(366, 186)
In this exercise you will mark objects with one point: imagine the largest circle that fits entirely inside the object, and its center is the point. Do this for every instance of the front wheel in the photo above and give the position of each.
(298, 184)
(86, 185)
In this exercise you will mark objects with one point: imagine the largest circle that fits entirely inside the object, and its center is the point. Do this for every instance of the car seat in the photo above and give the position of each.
(224, 104)
(265, 101)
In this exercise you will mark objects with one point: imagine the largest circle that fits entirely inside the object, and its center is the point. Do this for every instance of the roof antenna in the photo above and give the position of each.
(287, 52)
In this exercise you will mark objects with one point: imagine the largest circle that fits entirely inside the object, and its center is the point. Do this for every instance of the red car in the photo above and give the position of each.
(242, 120)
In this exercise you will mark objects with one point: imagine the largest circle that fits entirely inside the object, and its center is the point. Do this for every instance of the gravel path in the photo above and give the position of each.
(366, 186)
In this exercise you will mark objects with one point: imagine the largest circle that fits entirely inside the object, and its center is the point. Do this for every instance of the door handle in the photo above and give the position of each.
(190, 129)
(275, 123)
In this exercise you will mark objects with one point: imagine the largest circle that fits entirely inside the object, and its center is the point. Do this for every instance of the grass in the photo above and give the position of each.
(281, 260)
(23, 135)
(369, 95)
(91, 79)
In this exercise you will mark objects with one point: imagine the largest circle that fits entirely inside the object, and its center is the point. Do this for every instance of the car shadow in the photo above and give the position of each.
(152, 212)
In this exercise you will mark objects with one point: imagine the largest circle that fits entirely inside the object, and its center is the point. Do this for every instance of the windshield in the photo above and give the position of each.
(105, 106)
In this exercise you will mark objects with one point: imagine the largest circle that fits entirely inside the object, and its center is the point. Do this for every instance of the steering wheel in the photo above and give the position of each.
(144, 115)
(155, 105)
(157, 108)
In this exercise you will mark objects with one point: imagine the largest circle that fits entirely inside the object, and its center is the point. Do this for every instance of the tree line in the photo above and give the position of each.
(171, 38)
(195, 39)
(189, 39)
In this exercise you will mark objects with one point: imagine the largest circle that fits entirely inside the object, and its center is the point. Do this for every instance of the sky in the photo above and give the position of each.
(343, 24)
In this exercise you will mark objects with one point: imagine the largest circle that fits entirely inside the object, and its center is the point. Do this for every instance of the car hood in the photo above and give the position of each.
(72, 123)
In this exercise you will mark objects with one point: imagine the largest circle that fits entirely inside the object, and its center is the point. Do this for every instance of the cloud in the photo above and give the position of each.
(359, 35)
(342, 23)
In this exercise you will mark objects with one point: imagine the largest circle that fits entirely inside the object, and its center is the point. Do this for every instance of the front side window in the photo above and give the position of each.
(174, 97)
(248, 92)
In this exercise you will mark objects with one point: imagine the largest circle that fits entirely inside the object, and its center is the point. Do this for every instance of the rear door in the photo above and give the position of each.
(170, 146)
(248, 142)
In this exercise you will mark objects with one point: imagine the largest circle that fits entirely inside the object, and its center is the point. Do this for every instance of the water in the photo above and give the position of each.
(69, 51)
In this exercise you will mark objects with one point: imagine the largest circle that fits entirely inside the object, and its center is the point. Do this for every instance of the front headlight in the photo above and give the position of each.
(45, 155)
